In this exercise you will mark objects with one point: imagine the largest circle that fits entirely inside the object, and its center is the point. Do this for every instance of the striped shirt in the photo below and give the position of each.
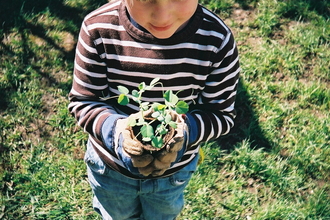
(200, 63)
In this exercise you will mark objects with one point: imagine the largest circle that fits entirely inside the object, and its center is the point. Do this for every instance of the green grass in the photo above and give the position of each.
(275, 164)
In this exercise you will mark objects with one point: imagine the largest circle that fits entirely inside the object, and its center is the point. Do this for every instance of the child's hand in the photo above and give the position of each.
(130, 148)
(131, 145)
(165, 157)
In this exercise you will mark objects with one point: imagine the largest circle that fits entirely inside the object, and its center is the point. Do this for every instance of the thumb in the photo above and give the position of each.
(131, 146)
(175, 144)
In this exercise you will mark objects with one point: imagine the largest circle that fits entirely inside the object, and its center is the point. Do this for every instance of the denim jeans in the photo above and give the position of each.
(117, 197)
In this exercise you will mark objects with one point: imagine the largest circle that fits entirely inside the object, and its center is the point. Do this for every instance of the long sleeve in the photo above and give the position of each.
(214, 112)
(90, 86)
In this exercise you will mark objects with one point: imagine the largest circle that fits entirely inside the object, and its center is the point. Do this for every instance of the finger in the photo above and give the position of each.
(169, 157)
(146, 171)
(131, 146)
(142, 161)
(159, 165)
(175, 144)
(158, 172)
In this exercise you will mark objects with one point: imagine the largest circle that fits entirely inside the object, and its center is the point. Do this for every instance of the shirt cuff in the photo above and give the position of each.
(108, 130)
(193, 129)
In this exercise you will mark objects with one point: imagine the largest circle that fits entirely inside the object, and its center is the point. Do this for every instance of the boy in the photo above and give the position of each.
(128, 42)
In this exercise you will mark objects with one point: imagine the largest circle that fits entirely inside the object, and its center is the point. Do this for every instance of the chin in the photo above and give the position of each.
(162, 35)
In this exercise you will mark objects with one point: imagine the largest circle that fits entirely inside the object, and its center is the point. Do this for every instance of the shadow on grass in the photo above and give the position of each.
(246, 124)
(15, 18)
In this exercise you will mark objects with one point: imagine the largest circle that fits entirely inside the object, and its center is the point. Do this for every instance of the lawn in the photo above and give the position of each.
(275, 164)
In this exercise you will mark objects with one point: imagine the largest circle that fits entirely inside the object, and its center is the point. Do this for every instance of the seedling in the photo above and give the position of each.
(153, 129)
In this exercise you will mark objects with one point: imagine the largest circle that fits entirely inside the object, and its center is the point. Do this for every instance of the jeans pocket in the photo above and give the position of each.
(93, 161)
(180, 178)
(183, 176)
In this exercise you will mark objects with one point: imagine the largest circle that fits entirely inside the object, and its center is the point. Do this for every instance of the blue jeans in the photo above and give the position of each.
(117, 197)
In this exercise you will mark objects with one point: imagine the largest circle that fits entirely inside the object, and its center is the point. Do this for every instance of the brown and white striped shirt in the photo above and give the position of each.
(199, 62)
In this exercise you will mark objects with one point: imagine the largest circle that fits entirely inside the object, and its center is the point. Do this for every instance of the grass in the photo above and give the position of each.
(275, 164)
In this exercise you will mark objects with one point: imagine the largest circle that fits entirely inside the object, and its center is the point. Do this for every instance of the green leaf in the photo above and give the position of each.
(154, 81)
(147, 131)
(161, 118)
(146, 139)
(161, 129)
(142, 86)
(173, 124)
(123, 99)
(141, 121)
(152, 84)
(168, 118)
(131, 121)
(123, 90)
(167, 95)
(157, 142)
(174, 99)
(160, 107)
(135, 93)
(145, 106)
(136, 100)
(182, 107)
(154, 106)
(170, 97)
(155, 114)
